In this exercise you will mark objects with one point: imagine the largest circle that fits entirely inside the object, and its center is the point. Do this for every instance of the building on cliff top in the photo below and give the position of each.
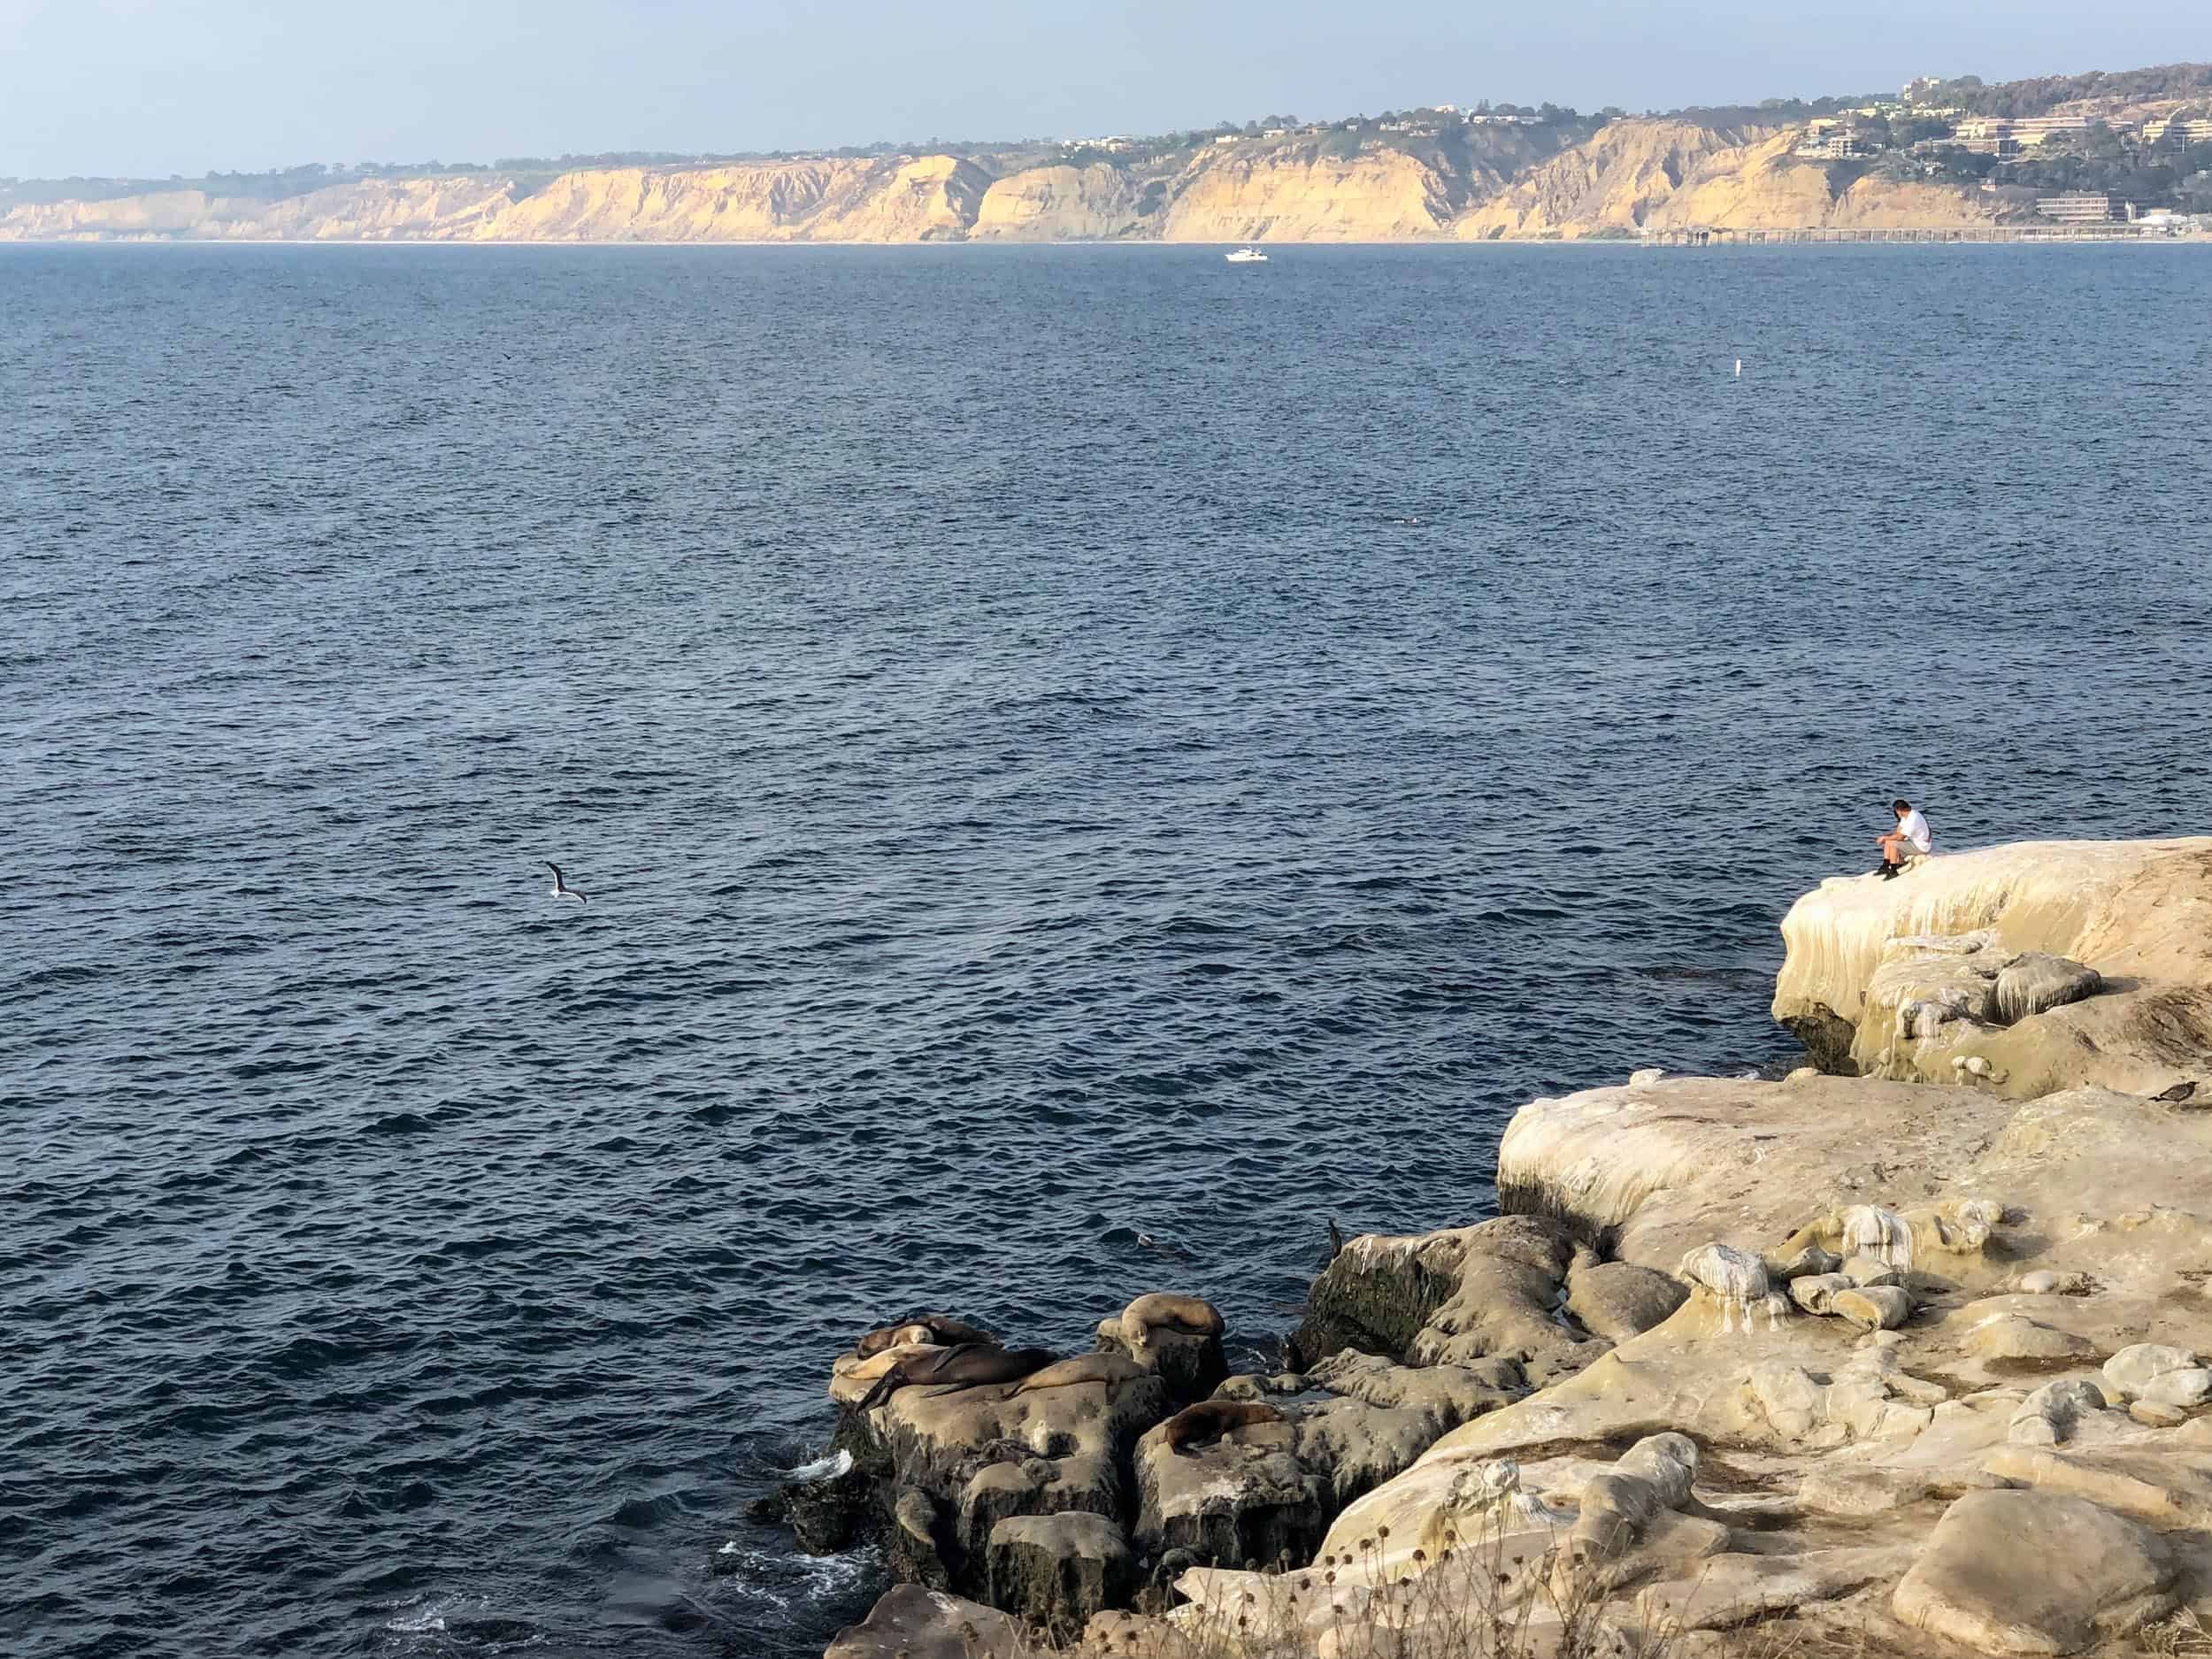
(2034, 130)
(2182, 130)
(2081, 207)
(1836, 143)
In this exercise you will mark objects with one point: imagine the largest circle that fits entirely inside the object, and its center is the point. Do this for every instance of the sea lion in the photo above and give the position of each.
(966, 1366)
(1110, 1369)
(1211, 1419)
(1169, 1312)
(873, 1365)
(923, 1327)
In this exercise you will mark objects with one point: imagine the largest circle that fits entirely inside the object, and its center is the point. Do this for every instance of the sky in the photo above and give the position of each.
(150, 87)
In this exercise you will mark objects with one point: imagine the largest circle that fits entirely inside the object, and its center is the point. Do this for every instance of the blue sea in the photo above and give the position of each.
(1087, 764)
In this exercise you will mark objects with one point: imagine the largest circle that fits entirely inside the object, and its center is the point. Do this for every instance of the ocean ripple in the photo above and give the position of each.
(1066, 755)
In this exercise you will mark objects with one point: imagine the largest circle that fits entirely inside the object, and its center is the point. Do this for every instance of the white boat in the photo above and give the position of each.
(1246, 256)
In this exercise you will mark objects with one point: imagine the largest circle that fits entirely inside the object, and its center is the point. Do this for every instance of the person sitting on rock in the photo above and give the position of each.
(1911, 839)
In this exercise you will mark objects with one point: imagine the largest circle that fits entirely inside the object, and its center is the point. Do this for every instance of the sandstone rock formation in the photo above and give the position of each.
(1452, 1297)
(2051, 964)
(2026, 1572)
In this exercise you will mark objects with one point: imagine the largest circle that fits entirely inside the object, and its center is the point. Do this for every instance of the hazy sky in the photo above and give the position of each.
(155, 87)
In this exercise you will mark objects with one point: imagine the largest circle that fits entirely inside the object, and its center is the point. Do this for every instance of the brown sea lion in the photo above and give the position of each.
(923, 1327)
(966, 1365)
(1211, 1419)
(874, 1365)
(1113, 1369)
(1165, 1310)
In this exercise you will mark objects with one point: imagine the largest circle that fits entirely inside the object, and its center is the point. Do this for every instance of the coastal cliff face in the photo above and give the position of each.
(1615, 181)
(1382, 195)
(415, 210)
(1765, 186)
(1503, 184)
(1093, 203)
(1669, 175)
(1923, 1368)
(931, 198)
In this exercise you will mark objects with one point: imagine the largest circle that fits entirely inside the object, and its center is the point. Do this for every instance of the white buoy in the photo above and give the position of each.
(1739, 368)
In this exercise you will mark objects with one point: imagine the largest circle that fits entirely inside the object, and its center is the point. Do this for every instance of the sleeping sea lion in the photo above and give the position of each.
(1171, 1312)
(1211, 1419)
(891, 1336)
(966, 1365)
(1110, 1369)
(875, 1364)
(932, 1327)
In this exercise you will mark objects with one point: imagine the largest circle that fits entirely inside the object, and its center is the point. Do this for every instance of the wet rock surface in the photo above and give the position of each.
(910, 1622)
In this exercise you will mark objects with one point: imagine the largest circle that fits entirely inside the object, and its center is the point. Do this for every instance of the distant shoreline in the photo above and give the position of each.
(1923, 237)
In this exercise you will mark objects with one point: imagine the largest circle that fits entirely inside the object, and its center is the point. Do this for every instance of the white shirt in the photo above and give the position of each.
(1914, 827)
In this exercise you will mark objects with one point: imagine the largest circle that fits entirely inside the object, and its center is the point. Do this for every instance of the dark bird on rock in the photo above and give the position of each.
(1336, 1239)
(2179, 1092)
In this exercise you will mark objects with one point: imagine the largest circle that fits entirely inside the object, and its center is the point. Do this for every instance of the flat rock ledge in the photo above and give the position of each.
(2021, 969)
(1915, 1356)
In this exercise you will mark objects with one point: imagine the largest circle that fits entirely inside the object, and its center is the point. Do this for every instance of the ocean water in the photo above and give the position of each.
(1067, 747)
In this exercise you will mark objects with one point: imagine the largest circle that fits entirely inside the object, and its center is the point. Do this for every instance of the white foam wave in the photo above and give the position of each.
(838, 1463)
(781, 1578)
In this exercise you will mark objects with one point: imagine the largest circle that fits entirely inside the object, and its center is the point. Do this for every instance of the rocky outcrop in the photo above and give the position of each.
(1246, 1498)
(2026, 1363)
(1059, 1570)
(1448, 1298)
(1921, 1366)
(913, 1623)
(1053, 1495)
(2022, 969)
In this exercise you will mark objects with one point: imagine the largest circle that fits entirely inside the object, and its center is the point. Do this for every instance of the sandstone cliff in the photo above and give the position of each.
(1614, 181)
(424, 210)
(929, 198)
(1381, 195)
(1765, 186)
(1669, 175)
(1093, 203)
(1491, 183)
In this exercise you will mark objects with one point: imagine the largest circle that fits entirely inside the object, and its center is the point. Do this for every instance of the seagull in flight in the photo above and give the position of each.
(561, 890)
